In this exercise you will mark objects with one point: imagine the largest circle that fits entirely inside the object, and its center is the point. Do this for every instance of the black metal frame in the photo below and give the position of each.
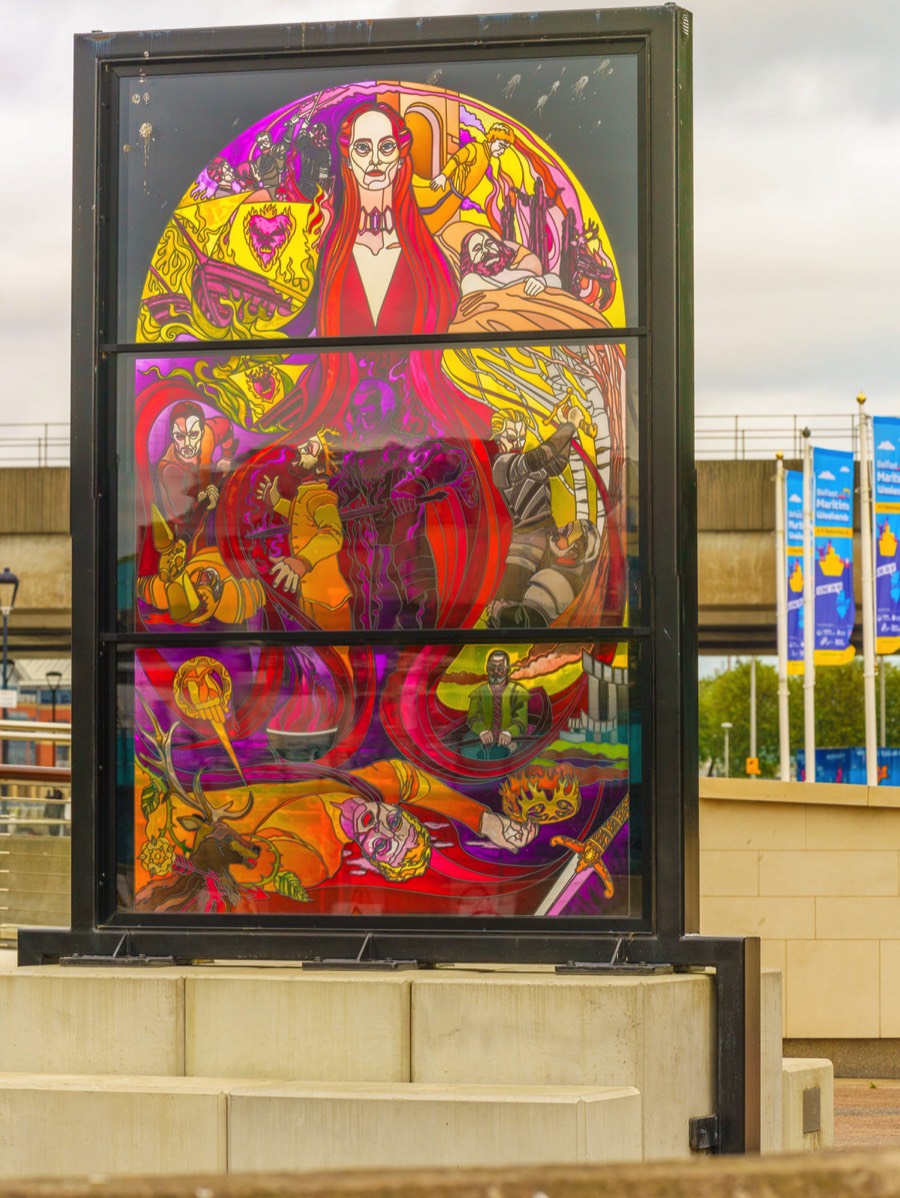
(667, 934)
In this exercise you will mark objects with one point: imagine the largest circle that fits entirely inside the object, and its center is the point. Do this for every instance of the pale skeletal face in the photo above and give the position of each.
(382, 830)
(186, 435)
(308, 453)
(374, 151)
(512, 437)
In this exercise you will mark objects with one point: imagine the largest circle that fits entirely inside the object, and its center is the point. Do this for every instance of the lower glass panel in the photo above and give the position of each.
(453, 780)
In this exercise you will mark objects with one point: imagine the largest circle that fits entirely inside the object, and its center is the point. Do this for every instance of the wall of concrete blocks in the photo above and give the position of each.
(814, 870)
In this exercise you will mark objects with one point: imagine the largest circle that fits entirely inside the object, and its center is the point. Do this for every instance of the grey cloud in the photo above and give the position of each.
(797, 183)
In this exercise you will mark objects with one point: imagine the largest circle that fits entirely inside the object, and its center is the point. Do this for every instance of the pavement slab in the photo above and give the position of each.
(866, 1113)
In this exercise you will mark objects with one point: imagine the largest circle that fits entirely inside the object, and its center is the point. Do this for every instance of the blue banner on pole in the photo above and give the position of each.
(835, 606)
(793, 546)
(886, 503)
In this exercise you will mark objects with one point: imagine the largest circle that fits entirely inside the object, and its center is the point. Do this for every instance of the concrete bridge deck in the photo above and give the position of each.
(736, 556)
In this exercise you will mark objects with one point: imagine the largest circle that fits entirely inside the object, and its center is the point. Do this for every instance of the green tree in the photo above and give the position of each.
(726, 697)
(840, 712)
(892, 700)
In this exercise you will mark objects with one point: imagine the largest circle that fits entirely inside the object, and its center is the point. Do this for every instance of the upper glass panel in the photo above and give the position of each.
(480, 487)
(471, 197)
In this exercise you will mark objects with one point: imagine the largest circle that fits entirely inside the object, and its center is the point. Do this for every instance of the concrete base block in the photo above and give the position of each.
(335, 1027)
(807, 1087)
(68, 1126)
(58, 1019)
(770, 1023)
(655, 1034)
(287, 1127)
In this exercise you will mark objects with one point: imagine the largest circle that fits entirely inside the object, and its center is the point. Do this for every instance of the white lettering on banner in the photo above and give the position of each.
(830, 588)
(887, 482)
(833, 505)
(795, 604)
(890, 568)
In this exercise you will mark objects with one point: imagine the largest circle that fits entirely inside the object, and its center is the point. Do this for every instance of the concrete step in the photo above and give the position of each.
(80, 1124)
(74, 1124)
(288, 1126)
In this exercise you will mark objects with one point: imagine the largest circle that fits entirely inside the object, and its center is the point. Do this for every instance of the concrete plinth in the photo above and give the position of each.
(370, 1126)
(807, 1105)
(453, 1066)
(319, 1026)
(656, 1034)
(70, 1020)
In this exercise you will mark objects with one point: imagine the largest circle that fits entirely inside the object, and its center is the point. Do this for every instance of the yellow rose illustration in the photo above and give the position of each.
(157, 856)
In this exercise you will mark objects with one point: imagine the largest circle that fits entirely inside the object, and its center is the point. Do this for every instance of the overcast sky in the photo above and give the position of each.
(797, 191)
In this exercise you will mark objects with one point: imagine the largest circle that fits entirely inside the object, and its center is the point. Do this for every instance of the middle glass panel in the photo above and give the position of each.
(480, 487)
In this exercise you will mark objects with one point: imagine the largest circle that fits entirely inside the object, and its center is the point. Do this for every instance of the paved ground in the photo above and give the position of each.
(866, 1113)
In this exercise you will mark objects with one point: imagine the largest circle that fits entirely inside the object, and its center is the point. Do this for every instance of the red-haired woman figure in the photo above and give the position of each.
(382, 272)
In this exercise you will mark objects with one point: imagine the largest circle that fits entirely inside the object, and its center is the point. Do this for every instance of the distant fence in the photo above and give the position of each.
(723, 438)
(762, 435)
(35, 826)
(34, 444)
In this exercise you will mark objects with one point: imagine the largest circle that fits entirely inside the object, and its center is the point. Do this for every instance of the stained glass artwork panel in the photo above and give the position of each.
(492, 780)
(480, 487)
(447, 198)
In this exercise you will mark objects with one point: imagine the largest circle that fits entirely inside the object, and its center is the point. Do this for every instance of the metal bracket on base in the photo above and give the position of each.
(703, 1134)
(362, 960)
(614, 966)
(622, 969)
(117, 957)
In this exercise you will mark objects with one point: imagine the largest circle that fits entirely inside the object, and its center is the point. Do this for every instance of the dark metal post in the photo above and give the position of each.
(54, 677)
(5, 672)
(9, 586)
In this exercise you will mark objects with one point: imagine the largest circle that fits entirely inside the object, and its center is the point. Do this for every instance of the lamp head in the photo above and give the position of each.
(9, 585)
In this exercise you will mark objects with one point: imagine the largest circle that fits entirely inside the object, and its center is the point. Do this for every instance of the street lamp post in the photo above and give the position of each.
(54, 678)
(726, 727)
(9, 586)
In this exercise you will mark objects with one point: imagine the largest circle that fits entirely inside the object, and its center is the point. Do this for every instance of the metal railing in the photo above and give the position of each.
(762, 435)
(756, 435)
(37, 797)
(35, 826)
(24, 443)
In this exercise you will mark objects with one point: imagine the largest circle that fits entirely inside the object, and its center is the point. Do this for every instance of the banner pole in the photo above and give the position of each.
(781, 628)
(753, 752)
(868, 597)
(809, 615)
